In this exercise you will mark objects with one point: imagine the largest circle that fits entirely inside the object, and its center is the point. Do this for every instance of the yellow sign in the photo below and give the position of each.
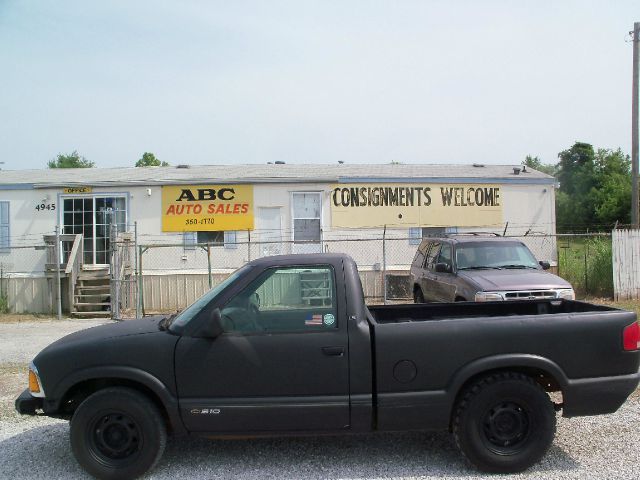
(439, 205)
(77, 190)
(207, 207)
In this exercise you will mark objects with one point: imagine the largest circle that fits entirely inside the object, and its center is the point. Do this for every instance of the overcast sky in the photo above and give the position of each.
(216, 82)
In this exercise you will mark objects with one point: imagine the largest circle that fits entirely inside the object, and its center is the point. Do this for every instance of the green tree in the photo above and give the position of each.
(72, 160)
(612, 195)
(149, 160)
(536, 164)
(595, 188)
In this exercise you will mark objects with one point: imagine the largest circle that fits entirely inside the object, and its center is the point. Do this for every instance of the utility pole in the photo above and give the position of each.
(634, 126)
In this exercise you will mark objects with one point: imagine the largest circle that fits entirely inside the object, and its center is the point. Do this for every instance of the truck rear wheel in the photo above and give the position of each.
(504, 423)
(117, 433)
(418, 296)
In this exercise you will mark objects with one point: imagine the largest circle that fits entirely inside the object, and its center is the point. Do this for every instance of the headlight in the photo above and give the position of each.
(567, 294)
(489, 297)
(35, 385)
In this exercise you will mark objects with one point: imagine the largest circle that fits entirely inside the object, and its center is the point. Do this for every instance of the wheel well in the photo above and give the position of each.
(460, 299)
(547, 381)
(80, 391)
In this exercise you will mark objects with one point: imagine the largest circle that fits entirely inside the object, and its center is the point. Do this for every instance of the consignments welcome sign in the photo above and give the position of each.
(375, 205)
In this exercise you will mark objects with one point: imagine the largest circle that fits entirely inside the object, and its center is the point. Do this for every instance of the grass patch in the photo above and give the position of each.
(586, 263)
(631, 305)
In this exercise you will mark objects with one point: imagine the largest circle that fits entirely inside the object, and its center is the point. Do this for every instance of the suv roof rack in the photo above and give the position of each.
(473, 234)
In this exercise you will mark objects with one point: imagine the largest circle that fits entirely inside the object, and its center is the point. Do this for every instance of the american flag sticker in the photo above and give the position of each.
(313, 320)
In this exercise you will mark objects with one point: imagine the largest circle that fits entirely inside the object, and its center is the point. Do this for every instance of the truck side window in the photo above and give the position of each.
(283, 300)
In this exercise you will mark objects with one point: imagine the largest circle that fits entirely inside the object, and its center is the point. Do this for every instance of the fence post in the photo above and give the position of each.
(58, 287)
(586, 266)
(140, 305)
(384, 264)
(136, 273)
(115, 272)
(209, 265)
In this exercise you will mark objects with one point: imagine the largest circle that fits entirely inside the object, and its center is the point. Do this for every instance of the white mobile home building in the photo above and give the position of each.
(246, 211)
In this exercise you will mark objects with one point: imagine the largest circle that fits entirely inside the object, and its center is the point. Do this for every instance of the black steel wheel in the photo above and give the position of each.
(117, 433)
(504, 423)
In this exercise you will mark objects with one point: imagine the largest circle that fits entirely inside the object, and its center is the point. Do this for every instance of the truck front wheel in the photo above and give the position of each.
(504, 423)
(117, 433)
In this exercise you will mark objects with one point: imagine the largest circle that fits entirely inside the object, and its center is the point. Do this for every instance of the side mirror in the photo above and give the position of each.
(212, 328)
(443, 268)
(544, 265)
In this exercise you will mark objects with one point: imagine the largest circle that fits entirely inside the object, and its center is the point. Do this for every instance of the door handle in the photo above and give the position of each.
(333, 351)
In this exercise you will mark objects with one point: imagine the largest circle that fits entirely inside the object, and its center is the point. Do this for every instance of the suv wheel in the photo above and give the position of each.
(117, 433)
(418, 296)
(504, 423)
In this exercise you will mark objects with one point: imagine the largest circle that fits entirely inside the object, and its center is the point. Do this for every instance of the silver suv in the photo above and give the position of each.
(482, 268)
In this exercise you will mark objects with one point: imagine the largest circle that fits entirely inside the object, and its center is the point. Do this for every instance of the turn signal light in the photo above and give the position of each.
(34, 385)
(631, 337)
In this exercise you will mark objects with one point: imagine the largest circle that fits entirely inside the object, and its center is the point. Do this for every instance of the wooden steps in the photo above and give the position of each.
(92, 295)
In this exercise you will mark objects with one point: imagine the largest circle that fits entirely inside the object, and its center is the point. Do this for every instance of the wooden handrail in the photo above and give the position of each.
(77, 242)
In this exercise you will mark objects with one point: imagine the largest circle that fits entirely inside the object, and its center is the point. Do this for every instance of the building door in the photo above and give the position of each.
(269, 229)
(92, 216)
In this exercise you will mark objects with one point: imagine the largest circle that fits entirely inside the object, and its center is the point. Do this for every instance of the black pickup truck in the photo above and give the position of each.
(286, 345)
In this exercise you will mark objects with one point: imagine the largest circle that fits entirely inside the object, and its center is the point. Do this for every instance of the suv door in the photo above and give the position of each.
(444, 282)
(281, 363)
(429, 284)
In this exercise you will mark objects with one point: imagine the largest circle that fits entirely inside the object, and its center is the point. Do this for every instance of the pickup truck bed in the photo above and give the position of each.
(568, 345)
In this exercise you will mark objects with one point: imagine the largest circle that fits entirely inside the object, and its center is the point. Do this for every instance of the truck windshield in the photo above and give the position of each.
(188, 313)
(475, 255)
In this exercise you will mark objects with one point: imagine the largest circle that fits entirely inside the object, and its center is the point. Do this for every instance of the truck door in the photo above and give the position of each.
(280, 365)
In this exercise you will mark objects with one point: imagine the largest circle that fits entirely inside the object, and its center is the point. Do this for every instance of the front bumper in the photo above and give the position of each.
(27, 404)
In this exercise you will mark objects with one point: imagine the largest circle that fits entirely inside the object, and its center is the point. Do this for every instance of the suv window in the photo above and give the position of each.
(418, 260)
(445, 254)
(434, 251)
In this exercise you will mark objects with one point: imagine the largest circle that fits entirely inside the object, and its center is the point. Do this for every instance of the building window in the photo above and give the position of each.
(214, 238)
(4, 226)
(189, 241)
(415, 236)
(229, 239)
(306, 216)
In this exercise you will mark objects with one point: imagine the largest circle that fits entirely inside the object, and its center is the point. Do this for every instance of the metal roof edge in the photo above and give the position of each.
(526, 181)
(17, 186)
(189, 181)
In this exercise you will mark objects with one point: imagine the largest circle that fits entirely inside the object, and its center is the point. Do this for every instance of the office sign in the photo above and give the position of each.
(194, 208)
(440, 205)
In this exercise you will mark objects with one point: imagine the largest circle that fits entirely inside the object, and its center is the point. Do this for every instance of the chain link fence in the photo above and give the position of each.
(174, 275)
(149, 277)
(24, 287)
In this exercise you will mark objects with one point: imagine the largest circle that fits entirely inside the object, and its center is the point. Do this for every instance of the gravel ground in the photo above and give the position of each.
(587, 447)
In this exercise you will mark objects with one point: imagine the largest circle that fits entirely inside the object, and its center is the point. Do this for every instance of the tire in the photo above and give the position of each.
(504, 423)
(117, 433)
(418, 296)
